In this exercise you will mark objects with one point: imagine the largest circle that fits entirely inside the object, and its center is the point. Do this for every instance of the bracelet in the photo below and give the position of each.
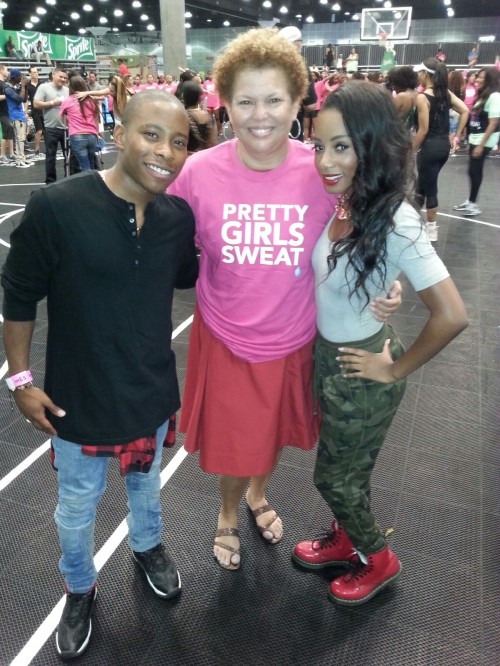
(21, 380)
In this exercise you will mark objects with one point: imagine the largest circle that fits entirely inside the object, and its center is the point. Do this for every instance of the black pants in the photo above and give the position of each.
(431, 158)
(476, 166)
(53, 137)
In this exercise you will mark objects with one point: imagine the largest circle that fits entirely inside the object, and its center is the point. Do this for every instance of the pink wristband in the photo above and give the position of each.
(22, 378)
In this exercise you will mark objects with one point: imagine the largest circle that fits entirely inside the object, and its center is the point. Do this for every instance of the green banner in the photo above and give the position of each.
(59, 47)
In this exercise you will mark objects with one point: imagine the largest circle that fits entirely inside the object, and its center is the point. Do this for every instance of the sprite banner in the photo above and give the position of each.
(59, 47)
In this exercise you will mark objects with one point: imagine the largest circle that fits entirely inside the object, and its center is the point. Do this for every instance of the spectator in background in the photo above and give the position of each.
(431, 141)
(5, 123)
(38, 52)
(328, 59)
(10, 49)
(484, 133)
(473, 57)
(92, 82)
(456, 85)
(150, 83)
(15, 94)
(403, 81)
(294, 36)
(122, 67)
(138, 85)
(170, 85)
(212, 100)
(352, 61)
(201, 126)
(48, 98)
(36, 114)
(82, 119)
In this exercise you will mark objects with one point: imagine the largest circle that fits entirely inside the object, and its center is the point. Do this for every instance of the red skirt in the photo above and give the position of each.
(239, 415)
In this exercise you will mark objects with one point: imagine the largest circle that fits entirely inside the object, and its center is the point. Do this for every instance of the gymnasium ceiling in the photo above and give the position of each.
(211, 13)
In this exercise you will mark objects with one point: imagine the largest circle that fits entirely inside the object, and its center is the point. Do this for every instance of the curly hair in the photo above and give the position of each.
(456, 83)
(260, 49)
(402, 78)
(383, 179)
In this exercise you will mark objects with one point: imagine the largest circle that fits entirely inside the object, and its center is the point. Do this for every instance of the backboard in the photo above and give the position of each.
(385, 24)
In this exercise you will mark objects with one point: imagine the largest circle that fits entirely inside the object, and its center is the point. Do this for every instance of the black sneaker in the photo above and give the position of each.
(160, 571)
(75, 625)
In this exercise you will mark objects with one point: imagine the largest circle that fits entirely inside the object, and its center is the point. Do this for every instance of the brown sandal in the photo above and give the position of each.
(258, 512)
(228, 531)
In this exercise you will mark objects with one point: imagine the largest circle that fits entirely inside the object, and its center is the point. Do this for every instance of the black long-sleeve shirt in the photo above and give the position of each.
(109, 293)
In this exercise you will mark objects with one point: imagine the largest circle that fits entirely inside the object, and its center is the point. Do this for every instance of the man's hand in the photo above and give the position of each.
(383, 308)
(32, 403)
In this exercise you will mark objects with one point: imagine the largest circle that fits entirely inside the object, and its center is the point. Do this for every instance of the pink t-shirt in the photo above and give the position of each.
(80, 119)
(470, 96)
(210, 88)
(170, 87)
(257, 231)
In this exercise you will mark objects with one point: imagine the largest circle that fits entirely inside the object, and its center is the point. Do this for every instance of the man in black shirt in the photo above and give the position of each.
(107, 249)
(36, 114)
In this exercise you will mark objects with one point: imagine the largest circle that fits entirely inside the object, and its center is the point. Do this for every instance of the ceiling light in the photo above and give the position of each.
(28, 25)
(144, 17)
(267, 4)
(388, 4)
(40, 10)
(299, 16)
(103, 19)
(87, 8)
(355, 17)
(64, 23)
(450, 12)
(187, 25)
(323, 2)
(150, 27)
(75, 16)
(347, 13)
(50, 2)
(209, 20)
(283, 9)
(397, 15)
(309, 19)
(114, 29)
(34, 19)
(128, 25)
(136, 4)
(336, 7)
(118, 12)
(188, 15)
(447, 3)
(226, 23)
(58, 29)
(82, 31)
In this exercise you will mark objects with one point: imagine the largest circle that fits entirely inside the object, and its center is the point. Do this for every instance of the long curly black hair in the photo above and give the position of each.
(384, 177)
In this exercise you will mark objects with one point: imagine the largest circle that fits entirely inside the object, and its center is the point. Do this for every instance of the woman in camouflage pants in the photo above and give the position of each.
(363, 154)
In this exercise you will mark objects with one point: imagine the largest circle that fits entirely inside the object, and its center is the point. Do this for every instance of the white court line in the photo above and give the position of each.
(470, 219)
(12, 204)
(42, 634)
(21, 184)
(48, 626)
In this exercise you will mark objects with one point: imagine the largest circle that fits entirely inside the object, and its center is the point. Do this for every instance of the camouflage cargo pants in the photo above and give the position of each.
(356, 414)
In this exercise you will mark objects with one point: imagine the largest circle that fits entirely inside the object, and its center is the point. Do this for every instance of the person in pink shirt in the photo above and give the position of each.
(212, 100)
(170, 85)
(259, 207)
(82, 119)
(150, 83)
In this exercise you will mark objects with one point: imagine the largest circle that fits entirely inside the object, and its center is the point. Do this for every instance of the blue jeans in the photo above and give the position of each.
(81, 483)
(84, 147)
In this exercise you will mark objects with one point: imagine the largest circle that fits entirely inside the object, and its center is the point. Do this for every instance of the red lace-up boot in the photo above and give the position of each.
(332, 549)
(372, 574)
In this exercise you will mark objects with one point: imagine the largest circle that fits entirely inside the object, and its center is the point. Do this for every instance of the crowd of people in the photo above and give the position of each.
(300, 245)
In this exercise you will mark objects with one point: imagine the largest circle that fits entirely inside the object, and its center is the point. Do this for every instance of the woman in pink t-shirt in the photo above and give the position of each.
(259, 207)
(82, 118)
